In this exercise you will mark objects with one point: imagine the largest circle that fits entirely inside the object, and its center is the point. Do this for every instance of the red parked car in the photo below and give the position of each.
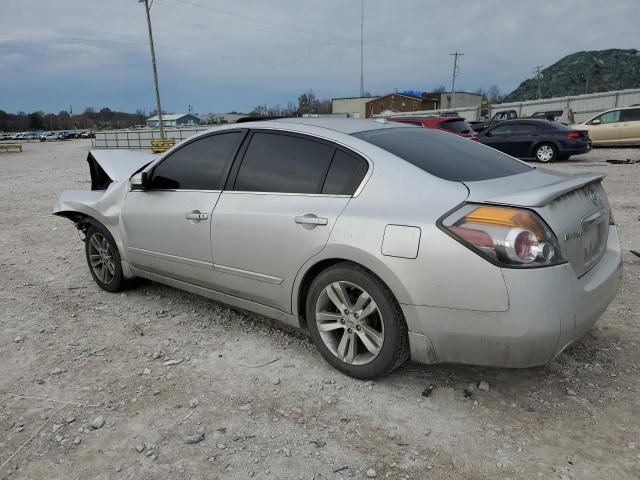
(457, 125)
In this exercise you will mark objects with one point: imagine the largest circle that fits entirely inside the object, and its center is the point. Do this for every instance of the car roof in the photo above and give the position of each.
(541, 121)
(632, 107)
(342, 125)
(430, 117)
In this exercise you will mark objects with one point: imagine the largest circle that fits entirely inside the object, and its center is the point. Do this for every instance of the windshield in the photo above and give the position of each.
(446, 156)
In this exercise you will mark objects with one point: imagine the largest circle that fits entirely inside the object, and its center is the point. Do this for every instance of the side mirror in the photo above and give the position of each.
(595, 122)
(487, 134)
(139, 181)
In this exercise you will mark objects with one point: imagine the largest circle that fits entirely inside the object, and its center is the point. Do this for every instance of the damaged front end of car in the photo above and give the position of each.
(110, 171)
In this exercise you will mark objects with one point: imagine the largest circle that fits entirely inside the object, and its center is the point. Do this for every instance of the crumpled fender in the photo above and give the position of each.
(104, 206)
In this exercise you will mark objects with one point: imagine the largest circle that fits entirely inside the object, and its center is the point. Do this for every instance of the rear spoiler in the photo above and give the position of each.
(536, 195)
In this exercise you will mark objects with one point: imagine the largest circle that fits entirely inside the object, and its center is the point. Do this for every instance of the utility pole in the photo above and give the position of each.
(362, 50)
(539, 78)
(455, 74)
(147, 8)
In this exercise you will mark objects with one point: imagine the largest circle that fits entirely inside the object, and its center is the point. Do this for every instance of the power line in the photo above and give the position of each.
(453, 80)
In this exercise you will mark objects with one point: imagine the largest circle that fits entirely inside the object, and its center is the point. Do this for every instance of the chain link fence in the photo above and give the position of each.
(141, 139)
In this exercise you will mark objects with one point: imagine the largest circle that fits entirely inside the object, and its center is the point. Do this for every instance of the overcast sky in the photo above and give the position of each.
(222, 55)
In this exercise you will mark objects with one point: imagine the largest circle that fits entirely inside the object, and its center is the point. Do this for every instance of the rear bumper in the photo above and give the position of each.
(549, 308)
(575, 148)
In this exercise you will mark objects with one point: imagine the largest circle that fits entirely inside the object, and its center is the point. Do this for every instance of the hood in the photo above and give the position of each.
(108, 166)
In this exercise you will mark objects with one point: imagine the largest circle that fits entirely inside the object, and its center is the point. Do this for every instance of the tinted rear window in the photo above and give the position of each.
(457, 126)
(446, 156)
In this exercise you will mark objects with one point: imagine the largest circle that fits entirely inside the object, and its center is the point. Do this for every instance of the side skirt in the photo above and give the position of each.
(286, 318)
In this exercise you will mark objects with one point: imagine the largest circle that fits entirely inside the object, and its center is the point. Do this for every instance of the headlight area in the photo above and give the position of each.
(506, 236)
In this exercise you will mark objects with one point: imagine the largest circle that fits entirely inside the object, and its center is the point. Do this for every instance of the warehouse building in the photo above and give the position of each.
(354, 107)
(402, 102)
(177, 120)
(462, 99)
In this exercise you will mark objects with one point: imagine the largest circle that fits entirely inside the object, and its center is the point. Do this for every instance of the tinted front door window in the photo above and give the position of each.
(198, 165)
(502, 130)
(283, 163)
(610, 117)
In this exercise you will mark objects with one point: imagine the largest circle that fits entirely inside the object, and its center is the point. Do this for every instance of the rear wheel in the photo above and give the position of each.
(103, 259)
(355, 322)
(546, 153)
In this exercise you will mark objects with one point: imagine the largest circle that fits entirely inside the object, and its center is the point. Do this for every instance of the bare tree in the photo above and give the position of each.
(494, 94)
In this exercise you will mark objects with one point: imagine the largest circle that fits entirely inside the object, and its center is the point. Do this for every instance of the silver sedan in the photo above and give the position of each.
(383, 241)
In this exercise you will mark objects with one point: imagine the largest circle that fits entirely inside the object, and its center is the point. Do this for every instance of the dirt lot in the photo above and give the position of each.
(80, 353)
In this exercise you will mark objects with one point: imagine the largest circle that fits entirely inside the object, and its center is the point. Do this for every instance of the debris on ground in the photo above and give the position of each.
(428, 390)
(627, 161)
(97, 423)
(197, 438)
(484, 386)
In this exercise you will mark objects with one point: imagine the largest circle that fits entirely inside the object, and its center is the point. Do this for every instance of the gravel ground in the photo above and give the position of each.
(78, 353)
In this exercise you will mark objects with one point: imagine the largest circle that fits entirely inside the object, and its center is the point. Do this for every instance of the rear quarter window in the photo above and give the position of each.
(449, 157)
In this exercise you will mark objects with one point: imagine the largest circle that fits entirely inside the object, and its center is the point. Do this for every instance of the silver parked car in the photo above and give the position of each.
(384, 241)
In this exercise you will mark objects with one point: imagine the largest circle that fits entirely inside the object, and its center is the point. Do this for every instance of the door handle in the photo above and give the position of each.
(196, 215)
(311, 219)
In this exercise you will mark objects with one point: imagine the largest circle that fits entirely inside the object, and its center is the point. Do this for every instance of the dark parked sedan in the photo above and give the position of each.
(542, 140)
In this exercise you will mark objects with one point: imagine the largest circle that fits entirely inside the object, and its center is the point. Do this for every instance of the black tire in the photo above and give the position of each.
(546, 153)
(388, 316)
(99, 239)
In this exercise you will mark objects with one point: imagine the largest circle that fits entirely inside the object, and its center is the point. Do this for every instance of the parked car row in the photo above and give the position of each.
(46, 136)
(545, 136)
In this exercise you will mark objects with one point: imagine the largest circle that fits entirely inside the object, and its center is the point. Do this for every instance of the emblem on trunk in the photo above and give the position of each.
(572, 235)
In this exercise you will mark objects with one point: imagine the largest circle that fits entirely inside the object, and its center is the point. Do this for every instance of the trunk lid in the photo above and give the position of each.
(574, 206)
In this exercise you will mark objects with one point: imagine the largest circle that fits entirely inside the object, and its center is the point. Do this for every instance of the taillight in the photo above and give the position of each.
(573, 135)
(512, 237)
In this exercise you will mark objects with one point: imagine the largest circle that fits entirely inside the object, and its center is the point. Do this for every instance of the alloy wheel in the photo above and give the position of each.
(349, 322)
(101, 258)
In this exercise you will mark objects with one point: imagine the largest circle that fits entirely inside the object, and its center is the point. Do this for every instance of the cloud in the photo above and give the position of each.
(223, 56)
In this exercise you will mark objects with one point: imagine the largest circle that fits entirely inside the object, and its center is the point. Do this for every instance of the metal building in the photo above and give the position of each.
(177, 120)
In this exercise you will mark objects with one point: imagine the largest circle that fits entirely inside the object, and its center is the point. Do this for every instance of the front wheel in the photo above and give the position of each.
(355, 322)
(546, 153)
(103, 259)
